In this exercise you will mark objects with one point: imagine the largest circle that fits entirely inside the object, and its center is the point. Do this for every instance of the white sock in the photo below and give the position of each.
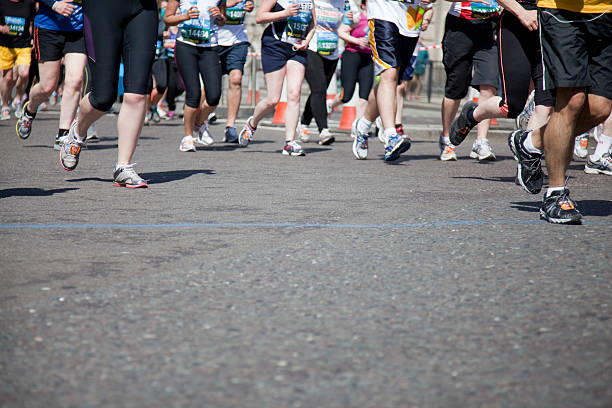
(389, 132)
(119, 165)
(603, 147)
(445, 139)
(551, 189)
(528, 145)
(363, 125)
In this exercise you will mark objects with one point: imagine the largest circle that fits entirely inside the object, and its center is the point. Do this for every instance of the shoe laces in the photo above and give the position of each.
(128, 170)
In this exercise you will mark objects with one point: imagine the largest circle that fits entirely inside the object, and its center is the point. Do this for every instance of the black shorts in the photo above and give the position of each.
(577, 54)
(468, 44)
(50, 45)
(275, 53)
(233, 57)
(390, 49)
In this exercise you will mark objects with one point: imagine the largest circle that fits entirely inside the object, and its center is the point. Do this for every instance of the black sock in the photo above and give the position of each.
(28, 114)
(470, 117)
(62, 132)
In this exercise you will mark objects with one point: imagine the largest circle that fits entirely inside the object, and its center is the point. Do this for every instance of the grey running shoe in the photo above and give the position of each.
(481, 150)
(246, 134)
(92, 134)
(529, 168)
(293, 149)
(302, 133)
(24, 124)
(360, 144)
(326, 138)
(581, 145)
(59, 141)
(602, 166)
(6, 113)
(462, 125)
(558, 208)
(203, 137)
(395, 146)
(70, 150)
(522, 120)
(230, 135)
(126, 176)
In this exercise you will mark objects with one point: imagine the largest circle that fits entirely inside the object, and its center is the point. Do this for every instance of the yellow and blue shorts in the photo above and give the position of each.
(10, 57)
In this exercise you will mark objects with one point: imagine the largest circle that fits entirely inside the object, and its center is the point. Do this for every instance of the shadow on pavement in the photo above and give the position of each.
(32, 192)
(588, 208)
(153, 178)
(498, 179)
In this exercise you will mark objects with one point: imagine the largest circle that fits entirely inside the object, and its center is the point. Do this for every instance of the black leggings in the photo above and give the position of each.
(520, 61)
(319, 72)
(194, 61)
(116, 29)
(356, 67)
(175, 86)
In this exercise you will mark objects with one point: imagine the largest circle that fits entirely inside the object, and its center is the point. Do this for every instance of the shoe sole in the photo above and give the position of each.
(490, 157)
(285, 153)
(571, 221)
(141, 185)
(327, 142)
(589, 170)
(62, 163)
(519, 176)
(454, 129)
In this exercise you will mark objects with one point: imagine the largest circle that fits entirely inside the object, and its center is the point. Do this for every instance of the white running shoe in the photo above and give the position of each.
(293, 149)
(246, 134)
(203, 138)
(92, 134)
(380, 131)
(187, 144)
(481, 150)
(302, 133)
(581, 145)
(448, 153)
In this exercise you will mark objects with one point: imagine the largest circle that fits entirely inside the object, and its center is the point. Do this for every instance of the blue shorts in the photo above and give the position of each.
(409, 71)
(275, 54)
(389, 48)
(233, 57)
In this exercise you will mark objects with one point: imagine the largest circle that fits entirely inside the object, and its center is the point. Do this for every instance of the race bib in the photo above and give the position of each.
(16, 25)
(297, 26)
(327, 42)
(197, 34)
(236, 14)
(484, 11)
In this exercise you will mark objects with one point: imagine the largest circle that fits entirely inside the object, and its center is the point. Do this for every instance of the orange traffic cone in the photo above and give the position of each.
(281, 107)
(349, 111)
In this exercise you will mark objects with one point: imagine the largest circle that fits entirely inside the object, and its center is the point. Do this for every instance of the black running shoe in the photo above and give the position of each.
(461, 126)
(529, 169)
(559, 208)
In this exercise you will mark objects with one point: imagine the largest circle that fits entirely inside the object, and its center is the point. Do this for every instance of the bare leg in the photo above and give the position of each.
(386, 97)
(540, 116)
(75, 66)
(361, 107)
(449, 110)
(274, 83)
(48, 76)
(401, 91)
(129, 126)
(486, 93)
(23, 72)
(8, 82)
(234, 95)
(295, 76)
(87, 115)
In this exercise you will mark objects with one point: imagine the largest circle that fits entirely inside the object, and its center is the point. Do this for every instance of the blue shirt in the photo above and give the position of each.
(50, 20)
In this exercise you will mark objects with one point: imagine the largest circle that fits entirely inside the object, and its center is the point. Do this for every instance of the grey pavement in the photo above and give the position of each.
(244, 278)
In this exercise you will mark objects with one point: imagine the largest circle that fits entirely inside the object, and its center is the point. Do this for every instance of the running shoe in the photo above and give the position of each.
(602, 166)
(395, 146)
(293, 149)
(70, 150)
(163, 114)
(59, 141)
(447, 152)
(212, 118)
(187, 144)
(597, 131)
(328, 107)
(155, 114)
(170, 115)
(407, 143)
(326, 138)
(581, 146)
(559, 208)
(17, 109)
(462, 125)
(246, 134)
(522, 120)
(481, 150)
(529, 168)
(360, 143)
(126, 176)
(53, 98)
(380, 131)
(230, 135)
(399, 129)
(302, 133)
(202, 136)
(92, 134)
(6, 113)
(147, 119)
(24, 124)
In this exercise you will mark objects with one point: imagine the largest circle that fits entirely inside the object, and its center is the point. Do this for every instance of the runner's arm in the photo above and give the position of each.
(266, 15)
(529, 18)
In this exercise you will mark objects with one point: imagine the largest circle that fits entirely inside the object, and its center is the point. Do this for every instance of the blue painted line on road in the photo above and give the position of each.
(284, 225)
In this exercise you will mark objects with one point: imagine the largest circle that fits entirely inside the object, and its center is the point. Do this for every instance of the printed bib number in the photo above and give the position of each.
(16, 25)
(195, 33)
(327, 42)
(235, 15)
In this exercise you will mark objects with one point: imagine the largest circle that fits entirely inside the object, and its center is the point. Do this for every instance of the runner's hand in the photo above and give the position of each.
(214, 12)
(248, 6)
(300, 46)
(529, 18)
(349, 16)
(363, 42)
(4, 29)
(64, 8)
(192, 13)
(292, 10)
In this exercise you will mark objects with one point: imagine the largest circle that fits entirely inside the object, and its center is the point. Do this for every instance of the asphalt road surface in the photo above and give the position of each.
(244, 278)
